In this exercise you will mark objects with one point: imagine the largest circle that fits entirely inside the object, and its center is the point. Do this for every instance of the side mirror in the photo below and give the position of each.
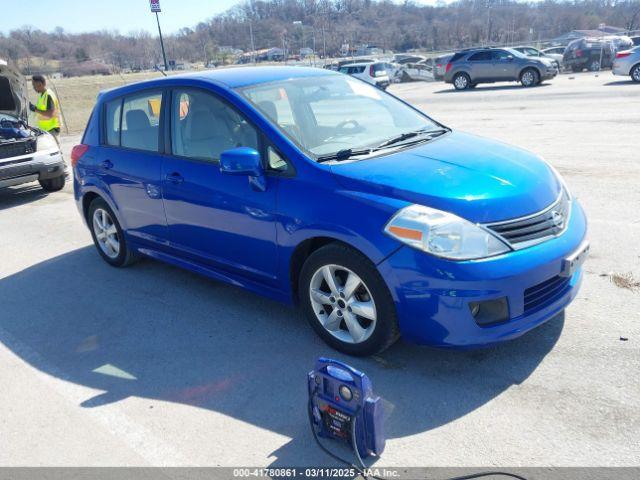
(244, 161)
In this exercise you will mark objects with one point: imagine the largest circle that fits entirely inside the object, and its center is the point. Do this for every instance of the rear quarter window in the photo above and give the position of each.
(113, 110)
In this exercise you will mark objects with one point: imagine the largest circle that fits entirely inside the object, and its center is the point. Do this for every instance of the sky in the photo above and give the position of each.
(76, 16)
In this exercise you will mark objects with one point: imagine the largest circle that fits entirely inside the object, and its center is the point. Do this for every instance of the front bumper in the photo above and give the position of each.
(31, 168)
(432, 295)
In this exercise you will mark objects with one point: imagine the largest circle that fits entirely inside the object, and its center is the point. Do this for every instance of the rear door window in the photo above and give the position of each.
(140, 125)
(480, 57)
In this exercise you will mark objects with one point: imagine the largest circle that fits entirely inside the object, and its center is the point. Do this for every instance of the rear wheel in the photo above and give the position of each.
(347, 302)
(529, 77)
(53, 184)
(594, 66)
(576, 69)
(461, 81)
(107, 235)
(635, 73)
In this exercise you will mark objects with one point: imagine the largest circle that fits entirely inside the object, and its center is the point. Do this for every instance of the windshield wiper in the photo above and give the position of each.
(407, 135)
(345, 154)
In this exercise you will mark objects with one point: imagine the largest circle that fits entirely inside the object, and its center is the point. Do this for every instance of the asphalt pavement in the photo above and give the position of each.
(152, 365)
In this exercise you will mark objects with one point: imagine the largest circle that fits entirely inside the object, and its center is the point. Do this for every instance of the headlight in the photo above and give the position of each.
(560, 179)
(47, 142)
(443, 234)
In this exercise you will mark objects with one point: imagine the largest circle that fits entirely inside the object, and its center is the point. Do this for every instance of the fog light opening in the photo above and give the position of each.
(490, 312)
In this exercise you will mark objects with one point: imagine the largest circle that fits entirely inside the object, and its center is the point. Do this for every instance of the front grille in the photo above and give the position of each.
(15, 149)
(527, 231)
(545, 293)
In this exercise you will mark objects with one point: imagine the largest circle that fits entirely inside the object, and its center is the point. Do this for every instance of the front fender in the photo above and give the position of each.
(354, 218)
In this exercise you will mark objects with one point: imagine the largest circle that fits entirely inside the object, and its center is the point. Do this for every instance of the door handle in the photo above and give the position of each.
(175, 178)
(107, 164)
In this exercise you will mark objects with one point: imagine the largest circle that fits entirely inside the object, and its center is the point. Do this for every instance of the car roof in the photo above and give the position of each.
(233, 77)
(360, 64)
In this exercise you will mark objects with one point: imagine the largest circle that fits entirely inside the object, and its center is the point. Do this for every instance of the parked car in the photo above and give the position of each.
(404, 58)
(421, 71)
(556, 52)
(636, 40)
(314, 188)
(594, 54)
(374, 73)
(555, 58)
(27, 154)
(439, 66)
(468, 68)
(627, 63)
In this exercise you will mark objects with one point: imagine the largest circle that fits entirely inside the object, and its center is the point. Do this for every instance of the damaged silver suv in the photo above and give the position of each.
(27, 154)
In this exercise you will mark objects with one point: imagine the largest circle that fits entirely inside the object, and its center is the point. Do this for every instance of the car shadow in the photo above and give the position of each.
(158, 332)
(21, 195)
(620, 82)
(481, 88)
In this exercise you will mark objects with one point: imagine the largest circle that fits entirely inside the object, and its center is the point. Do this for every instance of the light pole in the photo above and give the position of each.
(155, 8)
(253, 45)
(299, 22)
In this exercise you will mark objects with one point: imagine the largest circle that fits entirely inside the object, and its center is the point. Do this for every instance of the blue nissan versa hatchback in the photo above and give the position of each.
(313, 187)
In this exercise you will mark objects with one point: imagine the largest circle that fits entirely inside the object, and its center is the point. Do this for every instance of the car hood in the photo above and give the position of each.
(478, 179)
(13, 92)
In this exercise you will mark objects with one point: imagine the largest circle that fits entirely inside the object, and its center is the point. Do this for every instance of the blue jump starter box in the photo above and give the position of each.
(341, 397)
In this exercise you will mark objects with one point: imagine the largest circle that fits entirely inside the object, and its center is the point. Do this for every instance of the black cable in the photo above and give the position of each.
(360, 469)
(324, 449)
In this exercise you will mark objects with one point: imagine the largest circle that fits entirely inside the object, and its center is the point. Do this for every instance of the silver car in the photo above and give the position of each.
(468, 68)
(27, 154)
(627, 62)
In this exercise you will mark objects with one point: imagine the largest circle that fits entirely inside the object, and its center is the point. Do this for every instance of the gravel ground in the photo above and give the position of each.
(152, 365)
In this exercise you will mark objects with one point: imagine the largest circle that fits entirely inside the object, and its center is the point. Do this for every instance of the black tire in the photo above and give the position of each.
(576, 69)
(461, 81)
(529, 77)
(53, 184)
(635, 73)
(385, 332)
(125, 256)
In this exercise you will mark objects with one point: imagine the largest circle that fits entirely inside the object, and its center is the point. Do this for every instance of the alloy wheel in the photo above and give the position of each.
(635, 74)
(106, 233)
(528, 78)
(343, 303)
(461, 82)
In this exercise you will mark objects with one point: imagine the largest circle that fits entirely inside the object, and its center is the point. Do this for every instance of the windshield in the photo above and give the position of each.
(327, 114)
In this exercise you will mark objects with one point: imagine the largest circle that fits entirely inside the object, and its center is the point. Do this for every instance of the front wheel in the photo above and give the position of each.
(347, 302)
(635, 73)
(529, 78)
(53, 184)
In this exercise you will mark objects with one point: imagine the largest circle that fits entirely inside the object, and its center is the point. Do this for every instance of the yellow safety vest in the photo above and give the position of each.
(47, 124)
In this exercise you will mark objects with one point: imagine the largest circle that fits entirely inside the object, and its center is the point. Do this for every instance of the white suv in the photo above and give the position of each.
(374, 73)
(27, 154)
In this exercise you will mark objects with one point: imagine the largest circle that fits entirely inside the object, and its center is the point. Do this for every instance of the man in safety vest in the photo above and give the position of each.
(46, 108)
